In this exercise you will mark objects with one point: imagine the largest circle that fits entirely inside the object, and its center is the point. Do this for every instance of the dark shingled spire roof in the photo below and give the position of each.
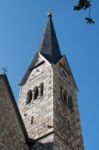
(49, 47)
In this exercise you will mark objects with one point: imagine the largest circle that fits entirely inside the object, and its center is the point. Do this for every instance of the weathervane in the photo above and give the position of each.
(4, 70)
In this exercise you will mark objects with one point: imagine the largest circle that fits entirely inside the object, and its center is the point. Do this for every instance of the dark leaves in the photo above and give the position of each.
(77, 8)
(82, 4)
(89, 20)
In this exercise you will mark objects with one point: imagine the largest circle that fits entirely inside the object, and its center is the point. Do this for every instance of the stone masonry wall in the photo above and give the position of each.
(50, 113)
(11, 135)
(66, 122)
(44, 144)
(41, 109)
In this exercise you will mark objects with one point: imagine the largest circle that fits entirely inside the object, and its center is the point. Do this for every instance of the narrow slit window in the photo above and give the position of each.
(68, 122)
(32, 118)
(61, 91)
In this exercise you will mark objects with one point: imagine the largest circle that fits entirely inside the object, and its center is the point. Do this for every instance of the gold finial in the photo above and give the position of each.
(49, 13)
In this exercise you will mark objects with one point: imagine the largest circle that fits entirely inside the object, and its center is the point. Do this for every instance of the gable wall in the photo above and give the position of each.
(41, 109)
(11, 135)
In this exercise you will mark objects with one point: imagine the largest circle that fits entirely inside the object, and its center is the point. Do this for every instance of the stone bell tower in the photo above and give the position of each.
(48, 98)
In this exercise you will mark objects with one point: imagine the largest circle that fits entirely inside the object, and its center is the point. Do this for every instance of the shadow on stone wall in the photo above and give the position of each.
(42, 146)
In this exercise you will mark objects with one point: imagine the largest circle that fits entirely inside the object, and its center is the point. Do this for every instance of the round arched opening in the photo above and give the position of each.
(65, 96)
(36, 92)
(29, 97)
(41, 87)
(70, 102)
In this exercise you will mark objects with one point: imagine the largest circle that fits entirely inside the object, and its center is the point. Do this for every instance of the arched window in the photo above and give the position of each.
(70, 102)
(29, 97)
(41, 87)
(36, 93)
(65, 96)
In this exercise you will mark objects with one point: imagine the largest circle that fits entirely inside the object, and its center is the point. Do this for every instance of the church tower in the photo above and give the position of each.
(48, 98)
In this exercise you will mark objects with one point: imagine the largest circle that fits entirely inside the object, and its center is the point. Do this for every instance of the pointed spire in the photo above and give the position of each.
(49, 47)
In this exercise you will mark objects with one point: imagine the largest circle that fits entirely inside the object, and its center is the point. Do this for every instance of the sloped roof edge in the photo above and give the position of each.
(71, 73)
(28, 70)
(4, 77)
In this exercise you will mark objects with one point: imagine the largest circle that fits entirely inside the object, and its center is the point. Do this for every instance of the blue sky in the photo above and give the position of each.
(22, 24)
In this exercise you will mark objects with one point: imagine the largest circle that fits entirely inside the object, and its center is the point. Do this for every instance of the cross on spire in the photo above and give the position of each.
(4, 70)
